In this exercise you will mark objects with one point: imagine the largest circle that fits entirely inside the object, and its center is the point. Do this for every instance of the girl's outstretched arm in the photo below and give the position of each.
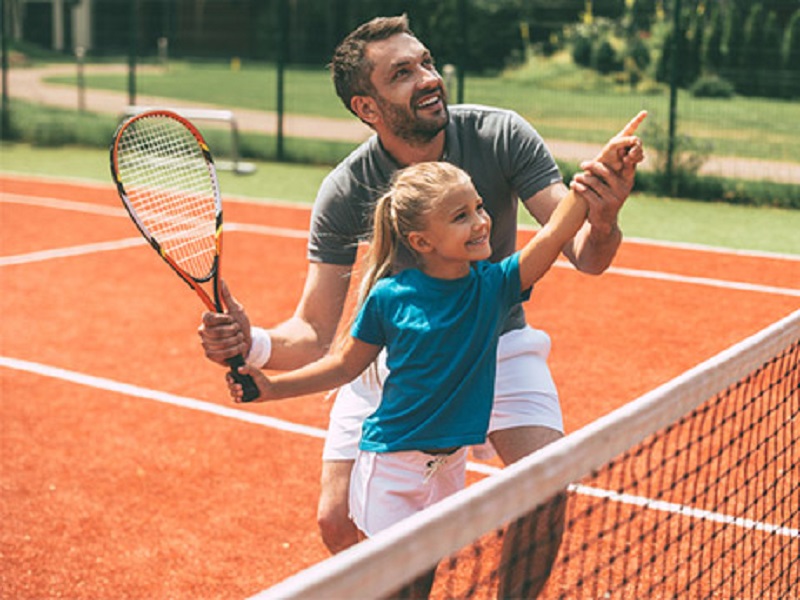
(329, 372)
(541, 252)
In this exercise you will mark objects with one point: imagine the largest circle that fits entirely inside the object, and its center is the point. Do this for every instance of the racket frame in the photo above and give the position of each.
(214, 303)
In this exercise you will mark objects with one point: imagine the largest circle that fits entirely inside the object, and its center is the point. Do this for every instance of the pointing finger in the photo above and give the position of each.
(633, 124)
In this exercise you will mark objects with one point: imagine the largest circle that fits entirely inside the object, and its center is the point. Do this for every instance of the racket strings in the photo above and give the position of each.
(171, 192)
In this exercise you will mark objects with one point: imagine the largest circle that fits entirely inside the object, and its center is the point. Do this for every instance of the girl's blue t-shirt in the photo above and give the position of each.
(441, 350)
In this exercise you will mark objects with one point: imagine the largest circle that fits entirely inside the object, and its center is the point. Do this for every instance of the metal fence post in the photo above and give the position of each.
(462, 59)
(677, 35)
(5, 31)
(133, 34)
(283, 26)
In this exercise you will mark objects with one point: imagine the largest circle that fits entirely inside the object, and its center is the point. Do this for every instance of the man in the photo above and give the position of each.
(386, 77)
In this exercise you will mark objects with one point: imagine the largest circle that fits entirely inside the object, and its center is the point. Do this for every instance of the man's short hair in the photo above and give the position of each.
(350, 68)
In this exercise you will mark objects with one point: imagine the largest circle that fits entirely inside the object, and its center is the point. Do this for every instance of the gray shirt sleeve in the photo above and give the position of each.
(333, 233)
(531, 167)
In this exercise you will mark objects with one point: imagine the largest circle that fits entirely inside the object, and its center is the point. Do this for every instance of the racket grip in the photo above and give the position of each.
(249, 388)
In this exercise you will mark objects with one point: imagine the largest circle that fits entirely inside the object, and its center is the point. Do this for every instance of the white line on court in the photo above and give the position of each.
(135, 391)
(706, 281)
(58, 203)
(267, 230)
(262, 202)
(31, 257)
(671, 507)
(712, 249)
(303, 234)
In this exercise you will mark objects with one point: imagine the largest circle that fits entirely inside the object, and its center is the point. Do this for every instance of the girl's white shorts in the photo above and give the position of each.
(387, 487)
(525, 394)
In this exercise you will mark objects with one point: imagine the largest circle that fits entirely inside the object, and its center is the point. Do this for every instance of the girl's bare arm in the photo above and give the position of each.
(329, 372)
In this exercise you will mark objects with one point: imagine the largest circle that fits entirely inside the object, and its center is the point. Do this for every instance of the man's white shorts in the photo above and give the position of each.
(524, 395)
(387, 487)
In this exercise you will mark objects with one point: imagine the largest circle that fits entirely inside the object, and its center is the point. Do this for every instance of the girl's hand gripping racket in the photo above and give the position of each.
(166, 178)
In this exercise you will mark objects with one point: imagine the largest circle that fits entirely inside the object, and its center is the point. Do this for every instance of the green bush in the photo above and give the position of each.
(604, 58)
(51, 133)
(638, 51)
(582, 51)
(712, 86)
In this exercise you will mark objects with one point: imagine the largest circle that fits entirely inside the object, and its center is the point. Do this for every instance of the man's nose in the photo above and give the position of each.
(429, 77)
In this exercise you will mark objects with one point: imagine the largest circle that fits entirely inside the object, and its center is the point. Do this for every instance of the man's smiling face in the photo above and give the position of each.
(408, 89)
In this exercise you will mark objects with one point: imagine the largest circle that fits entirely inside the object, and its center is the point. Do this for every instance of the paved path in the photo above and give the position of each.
(29, 84)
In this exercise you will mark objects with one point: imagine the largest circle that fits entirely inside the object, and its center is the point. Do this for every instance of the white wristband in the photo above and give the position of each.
(260, 347)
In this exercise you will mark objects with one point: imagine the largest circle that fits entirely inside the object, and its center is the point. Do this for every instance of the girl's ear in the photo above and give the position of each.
(365, 109)
(419, 243)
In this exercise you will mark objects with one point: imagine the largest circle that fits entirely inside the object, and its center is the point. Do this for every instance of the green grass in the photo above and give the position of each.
(252, 86)
(644, 216)
(562, 100)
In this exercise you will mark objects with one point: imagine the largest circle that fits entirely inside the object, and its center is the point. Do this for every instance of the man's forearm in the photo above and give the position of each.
(295, 343)
(596, 248)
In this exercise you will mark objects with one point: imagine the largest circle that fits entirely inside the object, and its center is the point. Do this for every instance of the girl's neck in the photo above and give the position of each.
(444, 269)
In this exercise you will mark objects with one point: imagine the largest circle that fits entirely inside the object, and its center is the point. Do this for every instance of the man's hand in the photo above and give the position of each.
(607, 181)
(224, 335)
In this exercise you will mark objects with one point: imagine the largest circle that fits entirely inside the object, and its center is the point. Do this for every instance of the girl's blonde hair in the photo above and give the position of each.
(414, 193)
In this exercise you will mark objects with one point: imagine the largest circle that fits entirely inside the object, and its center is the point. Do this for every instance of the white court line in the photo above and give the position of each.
(712, 249)
(267, 230)
(31, 257)
(135, 391)
(706, 281)
(680, 509)
(73, 205)
(262, 202)
(84, 249)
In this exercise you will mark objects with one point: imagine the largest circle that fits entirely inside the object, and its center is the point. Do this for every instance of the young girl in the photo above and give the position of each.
(439, 322)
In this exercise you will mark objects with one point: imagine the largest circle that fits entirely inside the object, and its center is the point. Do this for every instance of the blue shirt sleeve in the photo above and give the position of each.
(514, 294)
(368, 325)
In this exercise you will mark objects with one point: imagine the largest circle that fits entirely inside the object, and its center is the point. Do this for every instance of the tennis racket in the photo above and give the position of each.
(166, 179)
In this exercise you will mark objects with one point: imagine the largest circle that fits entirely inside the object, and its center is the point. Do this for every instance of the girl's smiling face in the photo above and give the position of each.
(457, 233)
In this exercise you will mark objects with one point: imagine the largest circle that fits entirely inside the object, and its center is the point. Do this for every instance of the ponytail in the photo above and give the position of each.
(383, 247)
(377, 263)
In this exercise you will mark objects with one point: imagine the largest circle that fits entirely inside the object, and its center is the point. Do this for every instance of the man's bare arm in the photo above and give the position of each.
(308, 335)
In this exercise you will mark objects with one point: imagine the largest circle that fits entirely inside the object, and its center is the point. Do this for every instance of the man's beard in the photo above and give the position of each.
(404, 123)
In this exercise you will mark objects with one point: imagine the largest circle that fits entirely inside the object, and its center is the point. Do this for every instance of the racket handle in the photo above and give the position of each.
(249, 388)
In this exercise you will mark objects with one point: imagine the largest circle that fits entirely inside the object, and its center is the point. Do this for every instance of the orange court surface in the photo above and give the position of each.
(128, 473)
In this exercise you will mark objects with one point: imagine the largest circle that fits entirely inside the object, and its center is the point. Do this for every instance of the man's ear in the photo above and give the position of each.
(419, 243)
(365, 109)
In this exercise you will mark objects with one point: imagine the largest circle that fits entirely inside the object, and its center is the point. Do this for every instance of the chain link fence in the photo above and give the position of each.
(719, 78)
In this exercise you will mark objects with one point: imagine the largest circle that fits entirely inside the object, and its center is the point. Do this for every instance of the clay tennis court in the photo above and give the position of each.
(127, 472)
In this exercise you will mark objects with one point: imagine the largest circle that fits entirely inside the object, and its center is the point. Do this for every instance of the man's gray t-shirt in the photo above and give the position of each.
(503, 154)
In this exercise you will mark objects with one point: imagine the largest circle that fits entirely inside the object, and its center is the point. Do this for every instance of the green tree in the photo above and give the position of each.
(712, 45)
(753, 51)
(642, 15)
(604, 57)
(694, 48)
(771, 57)
(791, 58)
(685, 66)
(733, 34)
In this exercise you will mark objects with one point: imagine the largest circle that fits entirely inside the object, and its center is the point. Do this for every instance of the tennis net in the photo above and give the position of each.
(690, 491)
